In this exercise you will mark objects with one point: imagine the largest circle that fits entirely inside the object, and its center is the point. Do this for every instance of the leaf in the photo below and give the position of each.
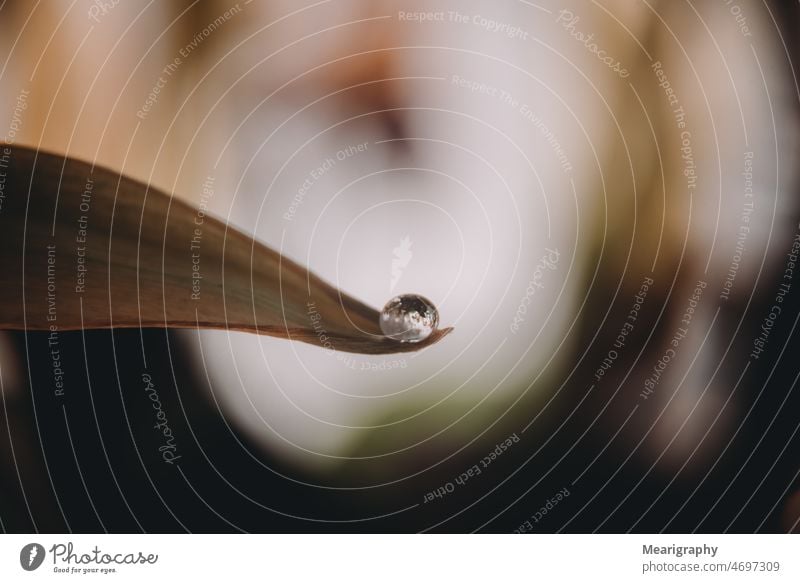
(85, 247)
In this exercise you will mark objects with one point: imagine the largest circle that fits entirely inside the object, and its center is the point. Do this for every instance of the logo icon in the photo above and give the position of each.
(402, 256)
(31, 556)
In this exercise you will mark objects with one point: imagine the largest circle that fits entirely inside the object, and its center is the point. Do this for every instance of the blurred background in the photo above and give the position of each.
(601, 198)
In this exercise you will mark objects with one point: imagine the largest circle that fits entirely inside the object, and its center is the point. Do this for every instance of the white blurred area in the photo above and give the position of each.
(472, 185)
(480, 149)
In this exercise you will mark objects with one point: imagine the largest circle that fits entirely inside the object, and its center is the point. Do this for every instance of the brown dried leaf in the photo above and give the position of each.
(138, 264)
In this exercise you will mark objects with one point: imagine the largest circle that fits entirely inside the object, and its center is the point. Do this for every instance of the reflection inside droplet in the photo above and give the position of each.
(409, 318)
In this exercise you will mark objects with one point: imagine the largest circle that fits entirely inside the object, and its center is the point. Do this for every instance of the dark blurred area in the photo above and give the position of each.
(86, 463)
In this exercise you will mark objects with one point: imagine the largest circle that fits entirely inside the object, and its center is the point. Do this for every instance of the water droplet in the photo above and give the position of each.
(409, 318)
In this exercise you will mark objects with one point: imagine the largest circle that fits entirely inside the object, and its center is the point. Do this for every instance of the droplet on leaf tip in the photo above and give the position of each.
(409, 318)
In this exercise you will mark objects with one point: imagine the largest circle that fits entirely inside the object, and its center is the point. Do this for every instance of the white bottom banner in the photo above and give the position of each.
(387, 558)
